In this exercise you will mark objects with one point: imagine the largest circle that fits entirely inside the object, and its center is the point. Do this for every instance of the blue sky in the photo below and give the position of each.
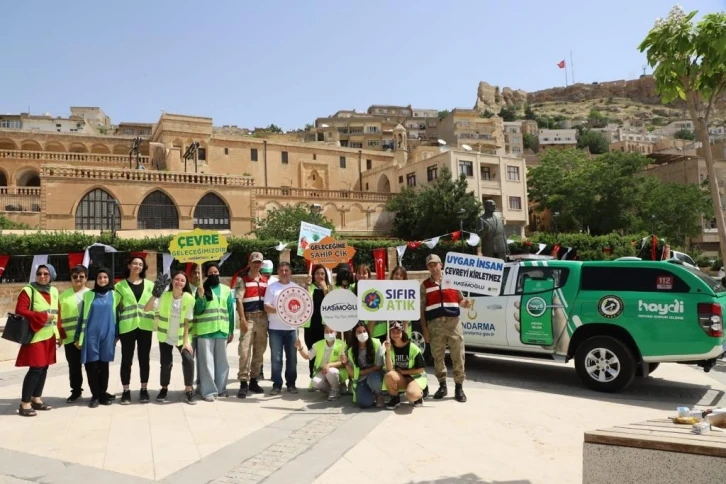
(288, 62)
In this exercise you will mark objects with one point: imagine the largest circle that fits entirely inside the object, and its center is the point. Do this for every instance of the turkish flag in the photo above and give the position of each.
(75, 259)
(4, 259)
(414, 245)
(379, 255)
(455, 235)
(561, 64)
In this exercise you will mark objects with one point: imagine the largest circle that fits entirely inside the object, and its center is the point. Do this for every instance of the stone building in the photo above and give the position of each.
(73, 180)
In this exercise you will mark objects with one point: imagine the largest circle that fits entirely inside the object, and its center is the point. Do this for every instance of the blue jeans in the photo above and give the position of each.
(283, 340)
(366, 390)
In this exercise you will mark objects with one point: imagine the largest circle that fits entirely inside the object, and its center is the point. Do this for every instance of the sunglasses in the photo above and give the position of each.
(78, 276)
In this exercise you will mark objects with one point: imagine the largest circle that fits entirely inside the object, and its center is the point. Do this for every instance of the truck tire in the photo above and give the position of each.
(653, 366)
(605, 364)
(418, 339)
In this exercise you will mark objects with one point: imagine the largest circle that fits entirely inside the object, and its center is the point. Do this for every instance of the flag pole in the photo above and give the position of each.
(572, 66)
(565, 75)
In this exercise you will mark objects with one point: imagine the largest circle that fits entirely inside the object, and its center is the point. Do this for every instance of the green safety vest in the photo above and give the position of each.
(69, 313)
(319, 349)
(421, 379)
(88, 298)
(215, 317)
(40, 305)
(356, 368)
(132, 313)
(165, 303)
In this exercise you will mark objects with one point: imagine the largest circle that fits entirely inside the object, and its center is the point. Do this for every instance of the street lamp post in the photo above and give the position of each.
(135, 145)
(112, 205)
(652, 224)
(462, 214)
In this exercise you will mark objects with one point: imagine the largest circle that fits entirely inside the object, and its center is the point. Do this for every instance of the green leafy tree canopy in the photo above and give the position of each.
(284, 223)
(684, 133)
(595, 141)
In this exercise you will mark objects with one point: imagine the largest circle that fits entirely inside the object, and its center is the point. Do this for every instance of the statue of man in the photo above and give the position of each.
(493, 237)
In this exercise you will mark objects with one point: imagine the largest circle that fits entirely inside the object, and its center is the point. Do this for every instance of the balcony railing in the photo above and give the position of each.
(19, 199)
(69, 157)
(143, 176)
(307, 193)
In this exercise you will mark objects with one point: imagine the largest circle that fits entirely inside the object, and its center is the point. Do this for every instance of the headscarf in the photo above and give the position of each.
(45, 287)
(103, 289)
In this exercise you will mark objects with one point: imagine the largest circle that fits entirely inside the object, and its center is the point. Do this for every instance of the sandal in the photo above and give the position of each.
(26, 412)
(40, 406)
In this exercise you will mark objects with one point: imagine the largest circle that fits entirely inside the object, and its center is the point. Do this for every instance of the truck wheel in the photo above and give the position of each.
(418, 339)
(653, 366)
(605, 364)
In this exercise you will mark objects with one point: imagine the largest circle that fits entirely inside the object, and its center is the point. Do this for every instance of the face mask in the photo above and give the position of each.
(362, 337)
(329, 336)
(213, 280)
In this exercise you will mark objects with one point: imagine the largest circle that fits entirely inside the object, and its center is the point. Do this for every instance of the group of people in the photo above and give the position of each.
(196, 314)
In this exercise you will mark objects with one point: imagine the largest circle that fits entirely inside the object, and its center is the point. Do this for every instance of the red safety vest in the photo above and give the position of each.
(440, 302)
(254, 297)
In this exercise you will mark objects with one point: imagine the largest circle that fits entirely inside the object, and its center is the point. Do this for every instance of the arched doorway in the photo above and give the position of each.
(54, 147)
(78, 148)
(98, 210)
(211, 213)
(3, 178)
(157, 211)
(384, 184)
(29, 177)
(31, 145)
(7, 144)
(100, 149)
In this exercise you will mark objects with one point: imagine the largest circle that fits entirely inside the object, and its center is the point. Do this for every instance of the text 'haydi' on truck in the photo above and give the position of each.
(617, 319)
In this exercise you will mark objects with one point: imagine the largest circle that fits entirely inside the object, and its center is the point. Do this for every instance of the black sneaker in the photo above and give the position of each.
(418, 403)
(441, 392)
(93, 403)
(161, 397)
(255, 387)
(242, 393)
(74, 397)
(144, 396)
(105, 401)
(189, 398)
(109, 397)
(426, 393)
(459, 394)
(126, 397)
(393, 403)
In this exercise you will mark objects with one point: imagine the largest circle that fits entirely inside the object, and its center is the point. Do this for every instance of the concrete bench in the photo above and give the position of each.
(653, 452)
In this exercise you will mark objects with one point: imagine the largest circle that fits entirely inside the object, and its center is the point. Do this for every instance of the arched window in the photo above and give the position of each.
(98, 210)
(211, 213)
(157, 211)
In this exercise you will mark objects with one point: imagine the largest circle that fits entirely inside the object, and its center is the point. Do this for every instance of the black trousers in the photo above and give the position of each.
(33, 383)
(75, 369)
(166, 355)
(129, 342)
(97, 374)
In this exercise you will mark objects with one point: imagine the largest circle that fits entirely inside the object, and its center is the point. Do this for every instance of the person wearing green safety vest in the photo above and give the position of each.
(135, 326)
(96, 335)
(363, 362)
(214, 326)
(329, 370)
(38, 303)
(344, 279)
(398, 273)
(318, 286)
(68, 313)
(173, 302)
(195, 284)
(404, 368)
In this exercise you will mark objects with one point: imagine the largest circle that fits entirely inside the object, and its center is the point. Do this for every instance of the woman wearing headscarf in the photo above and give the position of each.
(96, 335)
(38, 303)
(318, 287)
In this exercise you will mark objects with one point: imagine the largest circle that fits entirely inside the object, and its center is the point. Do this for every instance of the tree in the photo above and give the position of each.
(528, 113)
(508, 113)
(596, 119)
(308, 127)
(673, 210)
(486, 114)
(684, 133)
(434, 209)
(689, 61)
(443, 114)
(531, 142)
(595, 141)
(284, 223)
(7, 224)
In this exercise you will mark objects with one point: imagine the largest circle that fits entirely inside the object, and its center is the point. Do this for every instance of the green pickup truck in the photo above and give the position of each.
(616, 319)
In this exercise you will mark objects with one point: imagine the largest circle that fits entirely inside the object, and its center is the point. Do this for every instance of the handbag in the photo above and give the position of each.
(17, 328)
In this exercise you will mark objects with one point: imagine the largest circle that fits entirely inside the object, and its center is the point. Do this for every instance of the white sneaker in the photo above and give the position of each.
(333, 395)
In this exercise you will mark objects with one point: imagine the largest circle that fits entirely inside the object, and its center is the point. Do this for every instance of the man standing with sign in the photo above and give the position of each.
(282, 336)
(441, 327)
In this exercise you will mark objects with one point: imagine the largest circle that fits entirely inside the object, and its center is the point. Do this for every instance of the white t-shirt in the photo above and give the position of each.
(274, 290)
(175, 318)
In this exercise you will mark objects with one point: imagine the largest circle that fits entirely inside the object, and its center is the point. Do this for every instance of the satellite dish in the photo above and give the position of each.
(442, 142)
(324, 126)
(466, 147)
(444, 149)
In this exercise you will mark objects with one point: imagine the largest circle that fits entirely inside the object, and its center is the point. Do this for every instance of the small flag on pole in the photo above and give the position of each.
(561, 64)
